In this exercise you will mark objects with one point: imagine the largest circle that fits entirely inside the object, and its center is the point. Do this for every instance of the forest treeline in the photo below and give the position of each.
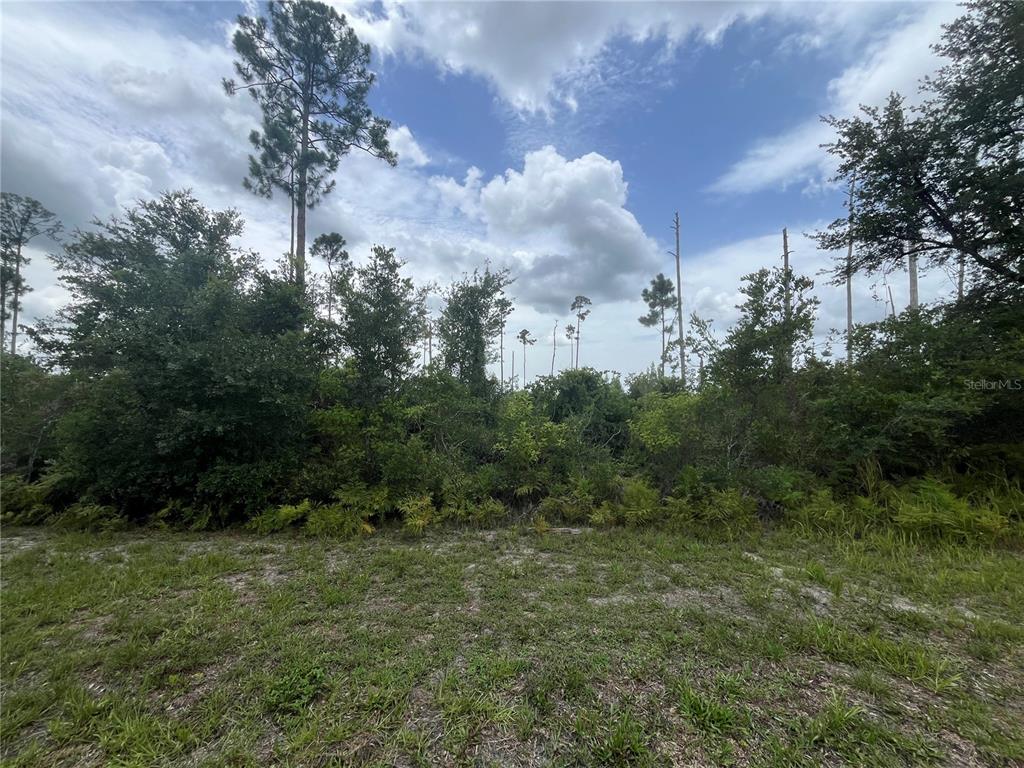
(187, 384)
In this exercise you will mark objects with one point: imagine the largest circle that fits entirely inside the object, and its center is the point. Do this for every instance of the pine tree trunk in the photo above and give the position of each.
(679, 308)
(960, 278)
(554, 347)
(663, 343)
(788, 301)
(300, 202)
(14, 300)
(849, 311)
(912, 269)
(849, 285)
(3, 320)
(579, 327)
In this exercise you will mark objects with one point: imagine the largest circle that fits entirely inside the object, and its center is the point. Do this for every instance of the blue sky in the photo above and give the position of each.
(555, 139)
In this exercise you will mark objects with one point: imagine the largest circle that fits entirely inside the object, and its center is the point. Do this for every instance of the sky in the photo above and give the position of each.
(555, 139)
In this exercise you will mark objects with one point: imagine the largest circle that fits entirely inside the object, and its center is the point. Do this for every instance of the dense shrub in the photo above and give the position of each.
(927, 507)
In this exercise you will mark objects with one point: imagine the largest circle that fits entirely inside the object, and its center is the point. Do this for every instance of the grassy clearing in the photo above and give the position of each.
(508, 648)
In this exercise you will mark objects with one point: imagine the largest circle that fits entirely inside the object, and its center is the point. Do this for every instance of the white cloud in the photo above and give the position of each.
(895, 60)
(541, 55)
(571, 214)
(409, 151)
(83, 132)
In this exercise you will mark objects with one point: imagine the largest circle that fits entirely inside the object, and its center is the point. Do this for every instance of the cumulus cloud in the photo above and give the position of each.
(895, 60)
(572, 215)
(408, 149)
(101, 108)
(539, 56)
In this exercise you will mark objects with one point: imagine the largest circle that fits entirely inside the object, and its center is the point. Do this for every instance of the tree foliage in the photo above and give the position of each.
(380, 322)
(309, 73)
(474, 314)
(22, 220)
(944, 179)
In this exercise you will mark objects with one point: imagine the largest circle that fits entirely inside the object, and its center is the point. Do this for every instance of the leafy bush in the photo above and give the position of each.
(784, 486)
(636, 503)
(90, 517)
(350, 515)
(820, 510)
(340, 521)
(729, 507)
(928, 507)
(417, 512)
(641, 504)
(23, 503)
(278, 518)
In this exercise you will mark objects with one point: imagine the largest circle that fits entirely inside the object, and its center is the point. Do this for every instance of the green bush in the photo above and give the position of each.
(637, 503)
(927, 507)
(641, 504)
(728, 507)
(339, 521)
(820, 510)
(278, 518)
(417, 512)
(350, 515)
(90, 517)
(23, 503)
(784, 486)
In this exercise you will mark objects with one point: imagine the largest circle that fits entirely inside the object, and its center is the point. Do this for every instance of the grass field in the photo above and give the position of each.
(508, 648)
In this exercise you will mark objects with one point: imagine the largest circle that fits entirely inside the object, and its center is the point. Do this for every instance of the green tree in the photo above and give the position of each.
(33, 401)
(192, 383)
(758, 349)
(504, 309)
(945, 177)
(526, 340)
(473, 316)
(570, 334)
(381, 321)
(309, 73)
(22, 219)
(660, 299)
(330, 248)
(579, 309)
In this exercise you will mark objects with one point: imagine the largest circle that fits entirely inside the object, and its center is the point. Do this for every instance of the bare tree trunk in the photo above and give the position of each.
(14, 300)
(291, 197)
(554, 347)
(849, 285)
(512, 376)
(960, 278)
(3, 320)
(849, 311)
(788, 299)
(663, 343)
(579, 327)
(892, 303)
(679, 305)
(300, 203)
(524, 365)
(912, 269)
(501, 356)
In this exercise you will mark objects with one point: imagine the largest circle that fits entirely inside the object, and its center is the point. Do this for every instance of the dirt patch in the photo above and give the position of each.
(92, 629)
(13, 545)
(198, 685)
(246, 584)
